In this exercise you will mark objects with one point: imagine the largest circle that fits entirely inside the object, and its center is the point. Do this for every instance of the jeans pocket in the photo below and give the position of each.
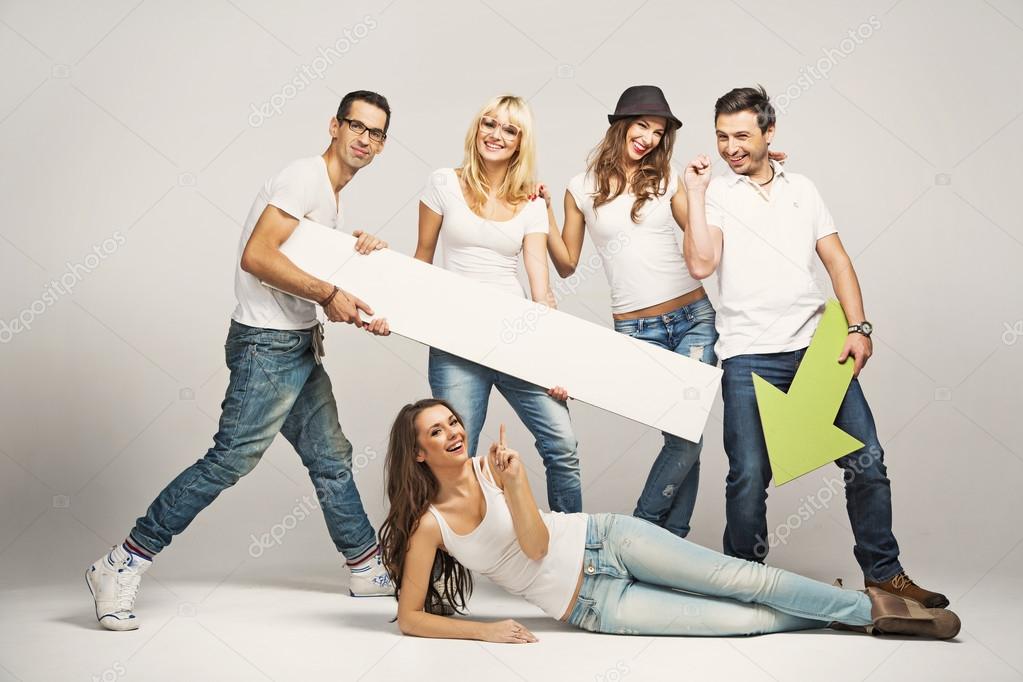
(627, 328)
(599, 557)
(281, 342)
(704, 315)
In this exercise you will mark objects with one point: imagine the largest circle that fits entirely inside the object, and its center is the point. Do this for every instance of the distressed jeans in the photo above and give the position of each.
(275, 386)
(669, 495)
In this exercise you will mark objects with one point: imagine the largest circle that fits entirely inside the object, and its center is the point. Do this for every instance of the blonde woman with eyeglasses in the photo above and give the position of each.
(485, 213)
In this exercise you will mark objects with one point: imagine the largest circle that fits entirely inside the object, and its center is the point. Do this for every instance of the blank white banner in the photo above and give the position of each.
(513, 335)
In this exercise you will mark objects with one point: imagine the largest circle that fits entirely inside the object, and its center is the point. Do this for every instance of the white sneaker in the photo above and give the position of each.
(114, 582)
(370, 579)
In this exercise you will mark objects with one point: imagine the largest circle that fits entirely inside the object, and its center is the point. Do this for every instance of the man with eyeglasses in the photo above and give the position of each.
(277, 383)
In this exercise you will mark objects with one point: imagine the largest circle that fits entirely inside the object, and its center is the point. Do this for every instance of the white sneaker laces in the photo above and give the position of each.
(127, 588)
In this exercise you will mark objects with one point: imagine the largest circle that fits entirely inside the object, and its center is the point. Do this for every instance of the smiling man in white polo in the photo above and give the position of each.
(760, 227)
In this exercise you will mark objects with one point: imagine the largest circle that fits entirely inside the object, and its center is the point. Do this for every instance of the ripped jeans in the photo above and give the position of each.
(640, 579)
(669, 496)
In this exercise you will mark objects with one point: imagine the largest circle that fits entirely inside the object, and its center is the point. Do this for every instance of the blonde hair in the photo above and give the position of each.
(519, 182)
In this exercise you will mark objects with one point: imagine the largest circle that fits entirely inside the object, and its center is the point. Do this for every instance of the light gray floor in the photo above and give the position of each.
(292, 620)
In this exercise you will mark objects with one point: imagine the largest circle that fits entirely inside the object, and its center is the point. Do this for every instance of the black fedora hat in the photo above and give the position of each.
(643, 100)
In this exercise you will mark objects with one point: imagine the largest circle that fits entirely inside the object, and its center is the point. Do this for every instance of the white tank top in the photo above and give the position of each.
(643, 261)
(493, 550)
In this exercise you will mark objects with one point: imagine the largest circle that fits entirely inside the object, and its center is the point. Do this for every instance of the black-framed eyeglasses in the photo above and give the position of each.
(358, 127)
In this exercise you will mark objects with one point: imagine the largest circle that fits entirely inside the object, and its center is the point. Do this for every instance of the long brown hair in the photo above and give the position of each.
(411, 487)
(607, 165)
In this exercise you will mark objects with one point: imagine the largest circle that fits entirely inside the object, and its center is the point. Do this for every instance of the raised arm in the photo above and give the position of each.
(510, 475)
(429, 233)
(565, 246)
(412, 617)
(701, 243)
(680, 207)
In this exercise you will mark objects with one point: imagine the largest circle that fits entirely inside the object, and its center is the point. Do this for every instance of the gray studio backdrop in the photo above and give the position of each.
(133, 137)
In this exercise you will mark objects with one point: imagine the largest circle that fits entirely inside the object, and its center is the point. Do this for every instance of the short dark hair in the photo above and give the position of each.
(747, 99)
(367, 96)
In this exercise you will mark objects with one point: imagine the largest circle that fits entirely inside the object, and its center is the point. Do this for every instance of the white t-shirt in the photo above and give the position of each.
(643, 261)
(769, 300)
(302, 190)
(484, 250)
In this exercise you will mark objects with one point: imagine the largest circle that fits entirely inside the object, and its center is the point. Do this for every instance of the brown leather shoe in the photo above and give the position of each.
(903, 586)
(895, 615)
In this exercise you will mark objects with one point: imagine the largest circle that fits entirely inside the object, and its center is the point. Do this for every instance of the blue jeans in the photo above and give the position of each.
(466, 385)
(868, 494)
(669, 496)
(633, 571)
(275, 386)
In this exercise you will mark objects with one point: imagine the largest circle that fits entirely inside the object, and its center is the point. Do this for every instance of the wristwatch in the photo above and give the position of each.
(864, 328)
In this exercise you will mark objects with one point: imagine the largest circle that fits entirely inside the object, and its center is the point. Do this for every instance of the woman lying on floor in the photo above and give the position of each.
(600, 572)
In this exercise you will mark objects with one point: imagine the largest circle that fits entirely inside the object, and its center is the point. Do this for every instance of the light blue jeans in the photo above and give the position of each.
(466, 385)
(669, 495)
(275, 387)
(634, 571)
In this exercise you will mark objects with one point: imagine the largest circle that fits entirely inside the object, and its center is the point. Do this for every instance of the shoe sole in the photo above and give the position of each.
(88, 583)
(368, 596)
(932, 629)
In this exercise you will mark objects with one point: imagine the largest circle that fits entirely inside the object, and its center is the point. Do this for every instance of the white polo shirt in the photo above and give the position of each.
(768, 300)
(302, 190)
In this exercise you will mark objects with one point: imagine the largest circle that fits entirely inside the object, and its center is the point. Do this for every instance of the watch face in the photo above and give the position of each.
(867, 328)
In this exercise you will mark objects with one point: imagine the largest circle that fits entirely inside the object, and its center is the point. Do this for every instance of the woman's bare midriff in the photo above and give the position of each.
(663, 308)
(571, 605)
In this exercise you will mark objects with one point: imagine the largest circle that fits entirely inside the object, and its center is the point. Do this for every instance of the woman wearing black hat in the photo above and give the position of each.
(631, 202)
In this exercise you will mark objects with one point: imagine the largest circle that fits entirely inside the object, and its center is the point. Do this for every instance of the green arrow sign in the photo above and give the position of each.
(799, 426)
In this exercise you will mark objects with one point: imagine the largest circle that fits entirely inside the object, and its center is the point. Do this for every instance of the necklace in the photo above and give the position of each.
(769, 180)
